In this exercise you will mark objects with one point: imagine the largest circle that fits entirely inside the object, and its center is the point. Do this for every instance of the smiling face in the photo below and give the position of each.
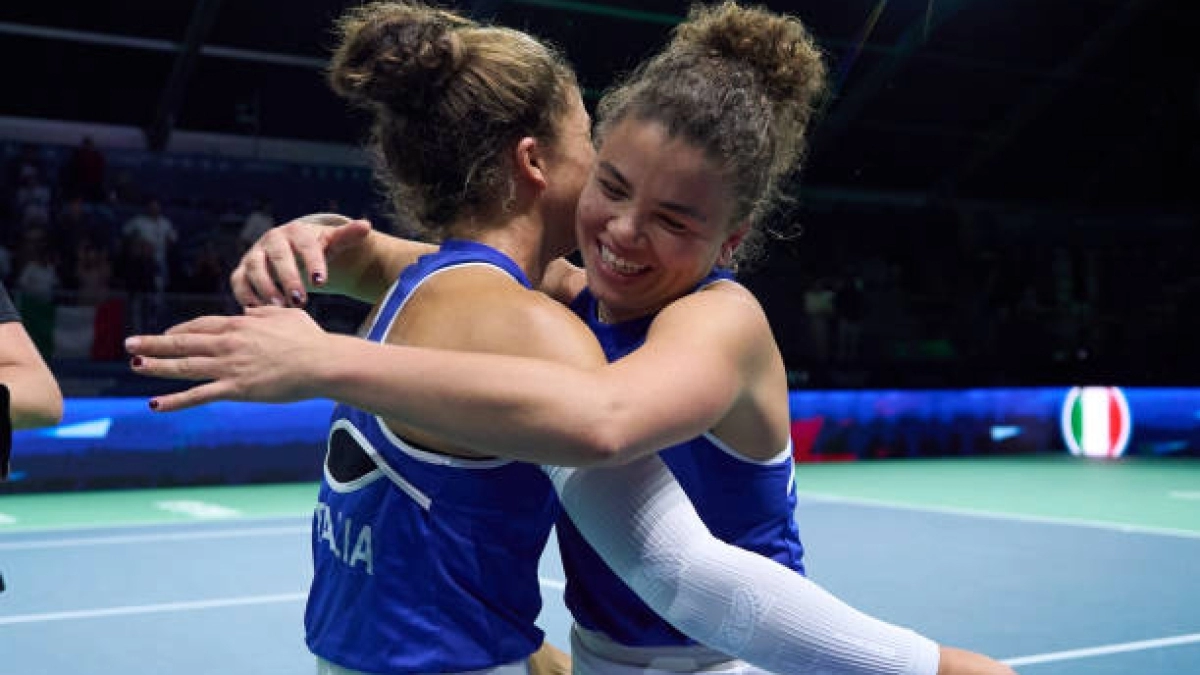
(653, 219)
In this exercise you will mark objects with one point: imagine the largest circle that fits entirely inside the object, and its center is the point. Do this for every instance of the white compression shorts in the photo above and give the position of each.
(637, 517)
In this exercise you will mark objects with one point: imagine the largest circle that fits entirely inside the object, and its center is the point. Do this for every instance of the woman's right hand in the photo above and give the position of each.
(288, 260)
(956, 661)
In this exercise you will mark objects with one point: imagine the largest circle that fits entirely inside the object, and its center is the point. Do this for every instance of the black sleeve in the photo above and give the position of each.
(8, 312)
(5, 430)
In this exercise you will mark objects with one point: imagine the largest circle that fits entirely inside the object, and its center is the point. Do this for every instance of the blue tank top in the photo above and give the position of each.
(749, 504)
(424, 563)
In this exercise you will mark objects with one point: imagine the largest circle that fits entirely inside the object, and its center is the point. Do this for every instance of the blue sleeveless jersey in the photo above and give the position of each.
(424, 563)
(748, 504)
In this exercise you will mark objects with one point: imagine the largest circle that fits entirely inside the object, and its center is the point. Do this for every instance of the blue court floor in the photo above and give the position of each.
(222, 591)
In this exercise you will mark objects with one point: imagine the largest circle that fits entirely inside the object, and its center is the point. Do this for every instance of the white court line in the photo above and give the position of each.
(152, 609)
(1104, 650)
(1000, 515)
(158, 536)
(18, 529)
(193, 605)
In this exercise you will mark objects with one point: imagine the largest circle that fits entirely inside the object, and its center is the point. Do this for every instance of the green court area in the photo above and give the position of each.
(1145, 493)
(1142, 492)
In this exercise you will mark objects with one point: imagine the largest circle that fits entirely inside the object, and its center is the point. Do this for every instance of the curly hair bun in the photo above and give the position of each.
(776, 46)
(398, 55)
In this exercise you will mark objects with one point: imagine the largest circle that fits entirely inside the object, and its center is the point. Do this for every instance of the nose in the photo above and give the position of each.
(624, 228)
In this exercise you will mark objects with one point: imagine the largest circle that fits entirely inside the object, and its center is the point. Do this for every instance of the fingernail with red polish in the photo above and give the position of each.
(136, 362)
(154, 404)
(297, 299)
(318, 278)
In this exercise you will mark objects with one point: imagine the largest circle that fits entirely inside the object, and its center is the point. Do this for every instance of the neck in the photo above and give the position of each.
(520, 238)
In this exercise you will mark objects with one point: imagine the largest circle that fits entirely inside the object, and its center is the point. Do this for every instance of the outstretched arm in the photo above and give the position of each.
(642, 524)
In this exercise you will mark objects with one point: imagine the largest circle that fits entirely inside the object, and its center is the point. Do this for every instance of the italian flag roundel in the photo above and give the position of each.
(1096, 421)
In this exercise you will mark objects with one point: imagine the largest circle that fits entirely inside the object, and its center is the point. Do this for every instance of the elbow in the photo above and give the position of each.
(592, 450)
(52, 408)
(607, 445)
(54, 413)
(46, 413)
(604, 435)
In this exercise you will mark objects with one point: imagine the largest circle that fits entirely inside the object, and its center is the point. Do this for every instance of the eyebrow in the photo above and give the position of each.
(682, 209)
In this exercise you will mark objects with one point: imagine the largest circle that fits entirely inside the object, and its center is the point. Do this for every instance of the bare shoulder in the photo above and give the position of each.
(725, 309)
(481, 309)
(548, 329)
(726, 328)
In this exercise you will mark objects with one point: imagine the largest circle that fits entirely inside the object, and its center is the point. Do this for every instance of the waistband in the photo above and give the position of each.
(673, 658)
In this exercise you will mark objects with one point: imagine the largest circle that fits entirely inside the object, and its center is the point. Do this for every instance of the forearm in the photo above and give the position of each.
(365, 271)
(644, 527)
(35, 398)
(550, 413)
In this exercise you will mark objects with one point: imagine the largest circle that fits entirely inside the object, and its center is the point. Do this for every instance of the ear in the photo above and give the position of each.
(731, 243)
(529, 162)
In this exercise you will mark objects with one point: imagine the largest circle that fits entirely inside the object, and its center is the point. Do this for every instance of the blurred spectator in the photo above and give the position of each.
(260, 219)
(37, 281)
(125, 189)
(818, 308)
(93, 269)
(138, 266)
(95, 273)
(155, 229)
(83, 174)
(206, 272)
(849, 307)
(37, 278)
(32, 199)
(27, 162)
(74, 227)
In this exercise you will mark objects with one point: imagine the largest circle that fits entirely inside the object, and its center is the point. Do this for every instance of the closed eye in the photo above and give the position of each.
(673, 225)
(611, 189)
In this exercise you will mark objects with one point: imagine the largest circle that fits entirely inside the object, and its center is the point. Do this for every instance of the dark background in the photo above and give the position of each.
(1014, 183)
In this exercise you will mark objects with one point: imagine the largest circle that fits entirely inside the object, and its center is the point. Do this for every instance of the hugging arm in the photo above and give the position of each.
(321, 252)
(642, 524)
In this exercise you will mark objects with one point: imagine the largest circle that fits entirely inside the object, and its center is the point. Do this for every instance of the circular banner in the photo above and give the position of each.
(1096, 421)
